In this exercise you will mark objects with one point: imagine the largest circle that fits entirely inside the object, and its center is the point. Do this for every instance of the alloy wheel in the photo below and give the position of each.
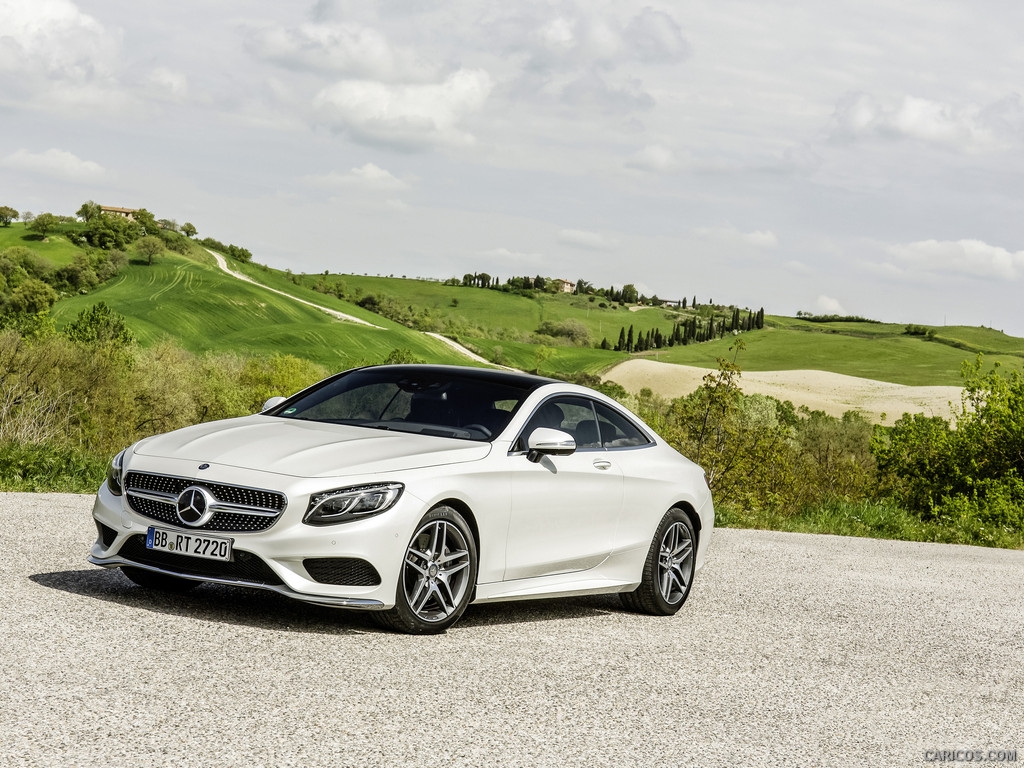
(675, 563)
(436, 573)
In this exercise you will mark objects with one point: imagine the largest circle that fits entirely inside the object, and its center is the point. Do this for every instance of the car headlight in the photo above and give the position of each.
(343, 505)
(114, 483)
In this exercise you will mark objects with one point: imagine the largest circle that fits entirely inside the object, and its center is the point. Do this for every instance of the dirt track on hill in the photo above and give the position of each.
(832, 393)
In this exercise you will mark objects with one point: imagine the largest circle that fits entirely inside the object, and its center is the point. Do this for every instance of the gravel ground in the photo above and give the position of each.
(793, 649)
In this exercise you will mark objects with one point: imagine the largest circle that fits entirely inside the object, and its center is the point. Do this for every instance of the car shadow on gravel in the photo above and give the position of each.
(267, 610)
(212, 602)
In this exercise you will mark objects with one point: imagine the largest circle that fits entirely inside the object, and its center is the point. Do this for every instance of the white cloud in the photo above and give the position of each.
(967, 127)
(55, 163)
(655, 36)
(760, 239)
(577, 57)
(346, 49)
(654, 157)
(53, 39)
(367, 176)
(579, 238)
(583, 38)
(169, 82)
(558, 34)
(407, 116)
(963, 257)
(509, 259)
(826, 305)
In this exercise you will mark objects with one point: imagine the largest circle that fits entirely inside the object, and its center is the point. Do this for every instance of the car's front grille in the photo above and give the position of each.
(345, 571)
(252, 509)
(245, 566)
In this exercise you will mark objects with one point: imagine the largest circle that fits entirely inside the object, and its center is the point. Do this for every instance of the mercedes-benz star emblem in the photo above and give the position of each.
(195, 506)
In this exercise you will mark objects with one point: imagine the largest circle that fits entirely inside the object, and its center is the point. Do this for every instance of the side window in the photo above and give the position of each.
(574, 415)
(616, 430)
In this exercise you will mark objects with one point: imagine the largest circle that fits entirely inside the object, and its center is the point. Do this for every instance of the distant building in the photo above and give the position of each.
(565, 286)
(125, 212)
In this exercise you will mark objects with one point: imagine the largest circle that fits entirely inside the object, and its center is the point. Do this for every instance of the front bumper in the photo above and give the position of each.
(273, 559)
(328, 600)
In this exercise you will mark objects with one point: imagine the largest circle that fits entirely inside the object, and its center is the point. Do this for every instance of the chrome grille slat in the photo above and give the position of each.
(237, 509)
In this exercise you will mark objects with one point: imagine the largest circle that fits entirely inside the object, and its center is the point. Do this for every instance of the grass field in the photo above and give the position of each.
(898, 359)
(495, 314)
(204, 309)
(562, 360)
(56, 248)
(190, 299)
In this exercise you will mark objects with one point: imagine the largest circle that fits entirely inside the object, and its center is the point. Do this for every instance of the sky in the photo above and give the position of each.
(851, 157)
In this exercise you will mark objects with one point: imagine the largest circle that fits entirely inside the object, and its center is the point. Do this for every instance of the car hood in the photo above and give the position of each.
(308, 449)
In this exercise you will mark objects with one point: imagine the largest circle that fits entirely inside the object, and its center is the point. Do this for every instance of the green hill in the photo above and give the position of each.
(189, 298)
(494, 323)
(54, 247)
(204, 309)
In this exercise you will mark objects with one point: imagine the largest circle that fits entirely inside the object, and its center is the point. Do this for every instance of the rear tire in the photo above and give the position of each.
(438, 575)
(160, 582)
(668, 570)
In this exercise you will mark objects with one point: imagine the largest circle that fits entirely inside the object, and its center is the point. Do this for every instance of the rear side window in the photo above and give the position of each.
(616, 430)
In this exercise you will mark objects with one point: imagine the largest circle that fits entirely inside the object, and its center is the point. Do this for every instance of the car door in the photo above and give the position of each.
(564, 508)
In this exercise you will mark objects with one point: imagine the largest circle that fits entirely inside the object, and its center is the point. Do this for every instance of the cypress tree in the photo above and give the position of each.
(629, 340)
(622, 340)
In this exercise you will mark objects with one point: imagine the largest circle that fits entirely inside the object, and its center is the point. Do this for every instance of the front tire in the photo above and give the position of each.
(160, 582)
(438, 575)
(668, 570)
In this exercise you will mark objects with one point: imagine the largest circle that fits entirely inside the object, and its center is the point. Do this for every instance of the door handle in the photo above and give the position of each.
(602, 464)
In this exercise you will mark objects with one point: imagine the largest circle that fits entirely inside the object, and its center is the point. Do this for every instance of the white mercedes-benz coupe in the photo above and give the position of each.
(413, 491)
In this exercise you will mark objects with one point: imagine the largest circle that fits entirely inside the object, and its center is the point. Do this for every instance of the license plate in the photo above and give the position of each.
(191, 544)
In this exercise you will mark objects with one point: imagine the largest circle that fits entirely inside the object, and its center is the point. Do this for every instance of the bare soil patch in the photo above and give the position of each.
(833, 393)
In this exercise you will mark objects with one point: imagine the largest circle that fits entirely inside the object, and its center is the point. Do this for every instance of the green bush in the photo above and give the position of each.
(48, 467)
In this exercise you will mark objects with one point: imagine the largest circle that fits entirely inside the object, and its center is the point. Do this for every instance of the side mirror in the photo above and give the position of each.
(544, 441)
(272, 403)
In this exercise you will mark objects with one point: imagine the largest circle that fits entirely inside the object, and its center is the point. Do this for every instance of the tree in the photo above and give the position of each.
(27, 216)
(188, 229)
(99, 325)
(147, 221)
(89, 210)
(149, 246)
(630, 294)
(32, 296)
(111, 232)
(7, 215)
(43, 223)
(543, 355)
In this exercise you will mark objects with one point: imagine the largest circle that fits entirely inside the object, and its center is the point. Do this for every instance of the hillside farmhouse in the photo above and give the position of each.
(127, 213)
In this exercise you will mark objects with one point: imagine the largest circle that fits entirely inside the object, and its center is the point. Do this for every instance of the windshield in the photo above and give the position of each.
(428, 402)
